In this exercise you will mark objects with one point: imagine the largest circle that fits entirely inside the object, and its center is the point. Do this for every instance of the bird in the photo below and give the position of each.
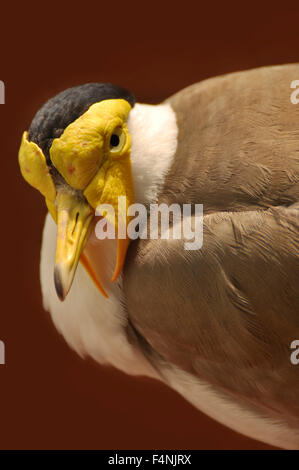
(216, 323)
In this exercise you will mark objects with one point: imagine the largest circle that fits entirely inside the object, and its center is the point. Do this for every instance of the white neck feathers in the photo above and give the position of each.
(154, 134)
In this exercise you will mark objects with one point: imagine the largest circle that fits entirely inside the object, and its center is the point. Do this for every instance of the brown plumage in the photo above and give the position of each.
(228, 313)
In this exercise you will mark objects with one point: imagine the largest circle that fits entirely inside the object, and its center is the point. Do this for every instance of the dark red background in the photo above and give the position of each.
(49, 398)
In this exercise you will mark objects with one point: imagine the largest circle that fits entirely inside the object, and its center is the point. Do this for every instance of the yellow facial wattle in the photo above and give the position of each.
(34, 168)
(83, 148)
(93, 157)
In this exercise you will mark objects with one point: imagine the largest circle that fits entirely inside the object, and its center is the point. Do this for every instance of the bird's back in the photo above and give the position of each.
(238, 143)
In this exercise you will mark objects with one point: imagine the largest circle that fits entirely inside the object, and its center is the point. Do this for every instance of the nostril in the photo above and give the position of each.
(75, 223)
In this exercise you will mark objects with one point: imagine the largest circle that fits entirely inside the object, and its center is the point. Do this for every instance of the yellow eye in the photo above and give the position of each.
(117, 140)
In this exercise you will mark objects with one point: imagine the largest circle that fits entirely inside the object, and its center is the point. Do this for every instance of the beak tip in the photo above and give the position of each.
(61, 292)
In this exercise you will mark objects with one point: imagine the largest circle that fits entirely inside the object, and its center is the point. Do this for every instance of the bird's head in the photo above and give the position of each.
(77, 154)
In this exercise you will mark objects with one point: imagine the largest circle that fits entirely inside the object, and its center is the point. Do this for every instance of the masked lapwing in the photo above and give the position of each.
(215, 323)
